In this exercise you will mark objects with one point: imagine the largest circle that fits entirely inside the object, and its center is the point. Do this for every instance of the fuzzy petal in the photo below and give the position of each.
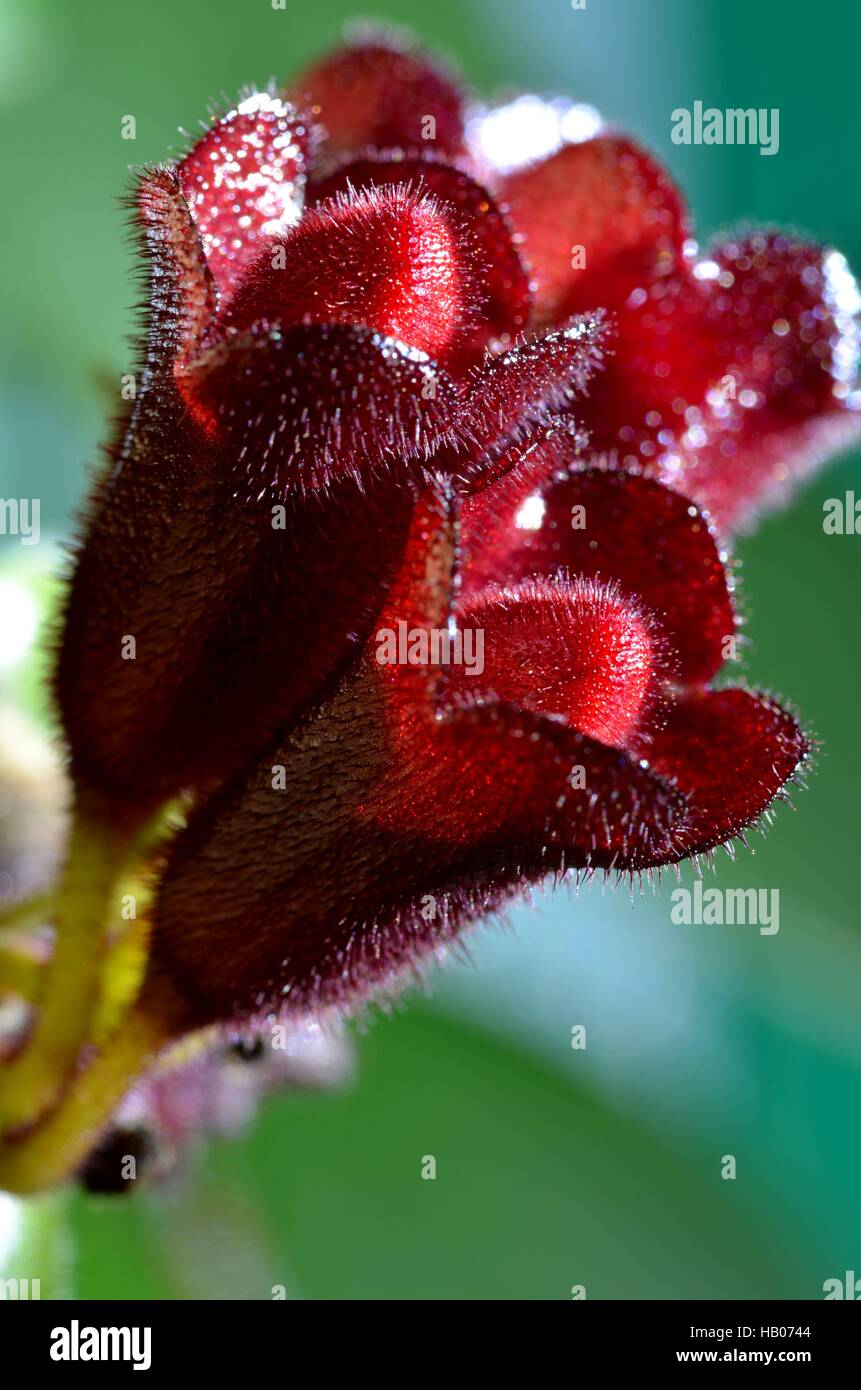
(571, 647)
(734, 378)
(302, 407)
(239, 610)
(604, 202)
(507, 293)
(382, 92)
(508, 394)
(730, 752)
(182, 297)
(395, 259)
(554, 512)
(244, 181)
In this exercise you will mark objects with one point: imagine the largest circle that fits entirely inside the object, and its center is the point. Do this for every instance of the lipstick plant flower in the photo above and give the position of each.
(405, 368)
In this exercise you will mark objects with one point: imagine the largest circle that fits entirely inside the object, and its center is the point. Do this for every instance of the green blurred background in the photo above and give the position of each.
(555, 1167)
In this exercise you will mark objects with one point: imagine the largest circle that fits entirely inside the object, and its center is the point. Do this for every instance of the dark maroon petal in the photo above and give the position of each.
(183, 297)
(382, 93)
(730, 752)
(397, 824)
(506, 291)
(554, 512)
(393, 259)
(597, 219)
(239, 610)
(735, 377)
(244, 182)
(324, 893)
(511, 392)
(302, 407)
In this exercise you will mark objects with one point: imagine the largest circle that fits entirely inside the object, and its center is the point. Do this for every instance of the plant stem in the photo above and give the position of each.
(100, 843)
(20, 974)
(18, 913)
(55, 1149)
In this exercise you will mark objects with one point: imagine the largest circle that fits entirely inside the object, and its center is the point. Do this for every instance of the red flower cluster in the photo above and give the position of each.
(367, 351)
(391, 386)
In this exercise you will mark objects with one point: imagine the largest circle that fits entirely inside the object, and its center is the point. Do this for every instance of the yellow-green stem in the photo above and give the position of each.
(53, 1150)
(28, 909)
(20, 974)
(100, 842)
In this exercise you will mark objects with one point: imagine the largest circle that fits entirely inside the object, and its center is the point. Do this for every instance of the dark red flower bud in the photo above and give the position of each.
(191, 597)
(424, 793)
(291, 395)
